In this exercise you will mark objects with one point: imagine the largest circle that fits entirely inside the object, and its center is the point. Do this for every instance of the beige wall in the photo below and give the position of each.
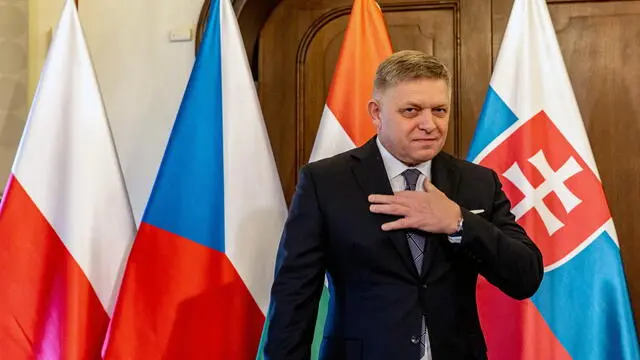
(141, 73)
(142, 76)
(43, 17)
(14, 50)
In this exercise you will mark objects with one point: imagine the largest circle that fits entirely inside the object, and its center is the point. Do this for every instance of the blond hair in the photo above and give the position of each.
(409, 65)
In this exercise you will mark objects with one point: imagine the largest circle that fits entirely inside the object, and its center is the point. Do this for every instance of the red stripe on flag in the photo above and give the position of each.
(515, 329)
(366, 44)
(182, 300)
(48, 309)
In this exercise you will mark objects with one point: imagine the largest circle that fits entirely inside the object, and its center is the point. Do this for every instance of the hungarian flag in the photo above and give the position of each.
(198, 278)
(531, 133)
(65, 220)
(345, 122)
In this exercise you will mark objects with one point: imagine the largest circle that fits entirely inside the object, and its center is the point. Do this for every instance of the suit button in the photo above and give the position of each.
(424, 286)
(415, 340)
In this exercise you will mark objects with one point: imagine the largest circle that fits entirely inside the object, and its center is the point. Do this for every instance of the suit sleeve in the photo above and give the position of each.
(299, 277)
(501, 249)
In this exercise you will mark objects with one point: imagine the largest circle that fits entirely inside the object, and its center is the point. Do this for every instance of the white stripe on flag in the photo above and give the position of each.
(255, 209)
(68, 165)
(331, 138)
(547, 85)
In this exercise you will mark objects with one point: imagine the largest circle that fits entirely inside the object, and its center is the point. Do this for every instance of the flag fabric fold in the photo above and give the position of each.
(66, 224)
(198, 278)
(531, 133)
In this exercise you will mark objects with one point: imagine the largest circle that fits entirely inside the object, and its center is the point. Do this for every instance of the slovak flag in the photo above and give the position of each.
(531, 134)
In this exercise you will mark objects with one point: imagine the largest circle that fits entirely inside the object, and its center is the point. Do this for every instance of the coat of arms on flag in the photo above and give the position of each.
(554, 194)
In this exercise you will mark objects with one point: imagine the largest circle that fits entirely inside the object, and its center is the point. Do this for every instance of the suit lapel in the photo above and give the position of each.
(371, 175)
(445, 177)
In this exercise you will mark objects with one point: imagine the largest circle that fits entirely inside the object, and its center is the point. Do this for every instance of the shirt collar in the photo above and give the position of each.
(395, 167)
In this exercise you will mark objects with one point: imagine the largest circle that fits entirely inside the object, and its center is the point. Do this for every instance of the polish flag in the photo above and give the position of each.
(65, 221)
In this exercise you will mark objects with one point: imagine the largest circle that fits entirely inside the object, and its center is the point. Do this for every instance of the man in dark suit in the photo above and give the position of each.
(402, 231)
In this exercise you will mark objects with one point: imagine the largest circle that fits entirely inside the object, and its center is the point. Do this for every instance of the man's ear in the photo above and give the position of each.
(373, 107)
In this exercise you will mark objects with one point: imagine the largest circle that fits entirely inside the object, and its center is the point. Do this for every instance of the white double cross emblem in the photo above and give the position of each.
(553, 182)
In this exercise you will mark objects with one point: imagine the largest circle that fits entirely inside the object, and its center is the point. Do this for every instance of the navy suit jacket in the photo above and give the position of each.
(377, 296)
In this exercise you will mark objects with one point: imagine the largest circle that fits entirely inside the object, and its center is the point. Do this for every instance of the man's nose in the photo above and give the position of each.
(427, 122)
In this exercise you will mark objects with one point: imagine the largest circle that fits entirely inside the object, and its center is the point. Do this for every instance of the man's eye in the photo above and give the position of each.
(440, 111)
(410, 111)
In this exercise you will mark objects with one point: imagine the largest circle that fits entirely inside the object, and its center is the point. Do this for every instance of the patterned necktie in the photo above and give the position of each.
(416, 241)
(416, 245)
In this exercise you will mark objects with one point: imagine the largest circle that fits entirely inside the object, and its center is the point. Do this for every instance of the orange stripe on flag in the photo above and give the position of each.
(366, 44)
